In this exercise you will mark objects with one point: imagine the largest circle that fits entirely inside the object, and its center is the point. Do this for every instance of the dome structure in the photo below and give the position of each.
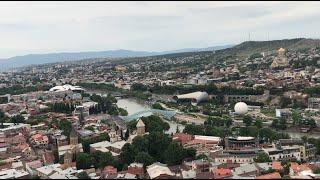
(241, 108)
(66, 87)
(195, 97)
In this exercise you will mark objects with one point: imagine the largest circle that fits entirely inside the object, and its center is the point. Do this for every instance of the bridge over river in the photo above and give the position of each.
(164, 113)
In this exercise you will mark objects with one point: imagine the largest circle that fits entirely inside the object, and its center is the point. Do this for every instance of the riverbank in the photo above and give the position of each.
(294, 132)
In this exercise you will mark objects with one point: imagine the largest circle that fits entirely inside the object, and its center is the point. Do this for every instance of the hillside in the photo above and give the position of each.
(32, 59)
(251, 47)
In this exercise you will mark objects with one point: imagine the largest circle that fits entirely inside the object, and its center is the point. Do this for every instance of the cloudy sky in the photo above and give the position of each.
(45, 27)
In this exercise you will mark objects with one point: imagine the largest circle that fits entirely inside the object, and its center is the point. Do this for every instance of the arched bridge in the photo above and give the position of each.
(164, 113)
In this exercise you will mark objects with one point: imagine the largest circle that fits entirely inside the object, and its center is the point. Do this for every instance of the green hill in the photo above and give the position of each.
(251, 47)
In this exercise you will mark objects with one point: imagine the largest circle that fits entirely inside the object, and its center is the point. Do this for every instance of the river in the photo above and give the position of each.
(133, 106)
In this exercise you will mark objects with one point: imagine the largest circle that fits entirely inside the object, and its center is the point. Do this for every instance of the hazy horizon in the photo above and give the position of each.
(53, 27)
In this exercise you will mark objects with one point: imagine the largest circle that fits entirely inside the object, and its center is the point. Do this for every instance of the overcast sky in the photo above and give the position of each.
(45, 27)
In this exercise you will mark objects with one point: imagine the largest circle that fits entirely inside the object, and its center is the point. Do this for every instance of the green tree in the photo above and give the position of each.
(247, 120)
(17, 119)
(127, 154)
(262, 157)
(296, 117)
(174, 154)
(122, 112)
(145, 158)
(158, 143)
(248, 131)
(84, 161)
(194, 129)
(83, 175)
(86, 145)
(2, 118)
(105, 159)
(66, 126)
(283, 123)
(267, 134)
(258, 123)
(202, 156)
(140, 144)
(157, 106)
(127, 134)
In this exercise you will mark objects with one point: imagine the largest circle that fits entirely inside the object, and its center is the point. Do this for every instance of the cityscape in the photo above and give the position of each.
(241, 110)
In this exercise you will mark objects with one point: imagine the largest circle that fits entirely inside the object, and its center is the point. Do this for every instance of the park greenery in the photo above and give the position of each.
(155, 147)
(106, 105)
(96, 159)
(157, 106)
(152, 123)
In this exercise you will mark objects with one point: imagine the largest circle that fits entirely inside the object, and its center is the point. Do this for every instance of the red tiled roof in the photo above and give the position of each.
(298, 168)
(276, 165)
(274, 175)
(221, 173)
(183, 137)
(204, 175)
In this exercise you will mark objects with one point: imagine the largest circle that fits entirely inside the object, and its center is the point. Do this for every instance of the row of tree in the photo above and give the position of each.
(209, 88)
(63, 107)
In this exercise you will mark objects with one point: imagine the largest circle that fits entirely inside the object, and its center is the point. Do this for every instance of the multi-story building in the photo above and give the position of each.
(236, 156)
(240, 143)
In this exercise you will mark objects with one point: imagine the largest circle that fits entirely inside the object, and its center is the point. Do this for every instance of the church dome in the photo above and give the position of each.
(281, 50)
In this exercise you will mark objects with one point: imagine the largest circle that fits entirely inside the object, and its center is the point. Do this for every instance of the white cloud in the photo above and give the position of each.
(40, 27)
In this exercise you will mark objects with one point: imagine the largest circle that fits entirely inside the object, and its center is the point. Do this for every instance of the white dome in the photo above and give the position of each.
(241, 108)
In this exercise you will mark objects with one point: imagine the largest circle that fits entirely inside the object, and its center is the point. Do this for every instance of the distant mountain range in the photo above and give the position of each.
(20, 61)
(242, 50)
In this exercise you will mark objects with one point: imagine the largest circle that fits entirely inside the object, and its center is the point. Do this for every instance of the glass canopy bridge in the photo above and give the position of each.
(164, 113)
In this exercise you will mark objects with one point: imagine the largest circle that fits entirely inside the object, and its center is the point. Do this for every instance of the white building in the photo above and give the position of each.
(157, 169)
(106, 146)
(286, 152)
(13, 174)
(66, 87)
(195, 97)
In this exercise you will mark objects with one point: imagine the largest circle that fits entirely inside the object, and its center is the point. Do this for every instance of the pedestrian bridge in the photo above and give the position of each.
(164, 113)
